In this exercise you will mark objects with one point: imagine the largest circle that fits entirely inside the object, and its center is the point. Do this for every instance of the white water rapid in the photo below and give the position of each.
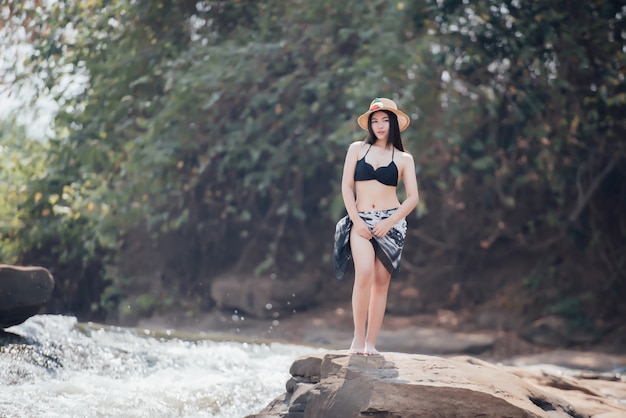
(53, 368)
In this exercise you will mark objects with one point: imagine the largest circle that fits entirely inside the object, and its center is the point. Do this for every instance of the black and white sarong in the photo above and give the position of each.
(388, 249)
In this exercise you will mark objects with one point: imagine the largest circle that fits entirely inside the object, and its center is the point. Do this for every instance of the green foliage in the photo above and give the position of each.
(532, 95)
(21, 160)
(227, 123)
(530, 85)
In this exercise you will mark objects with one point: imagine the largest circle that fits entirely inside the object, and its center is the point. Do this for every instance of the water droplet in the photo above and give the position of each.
(275, 322)
(268, 306)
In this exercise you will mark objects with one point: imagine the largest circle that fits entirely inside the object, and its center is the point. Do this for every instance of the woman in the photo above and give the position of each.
(373, 232)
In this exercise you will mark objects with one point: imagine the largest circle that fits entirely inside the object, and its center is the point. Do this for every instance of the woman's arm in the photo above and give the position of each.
(347, 190)
(410, 187)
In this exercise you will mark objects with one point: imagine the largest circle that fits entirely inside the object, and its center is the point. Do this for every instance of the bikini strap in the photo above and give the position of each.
(368, 150)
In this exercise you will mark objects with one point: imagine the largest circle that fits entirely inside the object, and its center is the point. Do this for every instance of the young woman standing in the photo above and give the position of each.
(373, 232)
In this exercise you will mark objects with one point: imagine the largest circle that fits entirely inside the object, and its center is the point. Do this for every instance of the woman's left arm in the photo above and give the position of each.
(410, 187)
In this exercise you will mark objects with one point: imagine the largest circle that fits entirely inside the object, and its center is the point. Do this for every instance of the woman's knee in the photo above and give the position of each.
(381, 282)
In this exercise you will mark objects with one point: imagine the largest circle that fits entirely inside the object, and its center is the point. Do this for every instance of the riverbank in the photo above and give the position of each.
(440, 333)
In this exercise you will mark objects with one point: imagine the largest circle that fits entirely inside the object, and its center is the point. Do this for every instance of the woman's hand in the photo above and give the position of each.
(362, 229)
(382, 227)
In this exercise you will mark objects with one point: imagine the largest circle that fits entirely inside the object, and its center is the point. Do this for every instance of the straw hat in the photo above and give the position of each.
(382, 103)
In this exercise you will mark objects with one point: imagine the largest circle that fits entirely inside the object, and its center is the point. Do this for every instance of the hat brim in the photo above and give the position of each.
(403, 119)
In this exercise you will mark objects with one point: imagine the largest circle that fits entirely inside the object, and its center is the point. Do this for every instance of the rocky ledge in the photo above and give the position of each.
(394, 385)
(23, 291)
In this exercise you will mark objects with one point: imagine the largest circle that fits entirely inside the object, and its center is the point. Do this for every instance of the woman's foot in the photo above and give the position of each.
(357, 346)
(370, 350)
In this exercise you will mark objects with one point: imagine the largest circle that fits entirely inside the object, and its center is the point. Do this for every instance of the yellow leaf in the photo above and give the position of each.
(38, 196)
(53, 199)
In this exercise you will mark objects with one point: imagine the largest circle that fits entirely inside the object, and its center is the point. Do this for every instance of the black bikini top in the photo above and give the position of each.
(387, 175)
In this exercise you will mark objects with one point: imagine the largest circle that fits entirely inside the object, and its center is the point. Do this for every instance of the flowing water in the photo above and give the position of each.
(54, 367)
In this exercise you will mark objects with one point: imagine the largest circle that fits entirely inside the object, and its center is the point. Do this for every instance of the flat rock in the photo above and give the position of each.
(23, 291)
(335, 384)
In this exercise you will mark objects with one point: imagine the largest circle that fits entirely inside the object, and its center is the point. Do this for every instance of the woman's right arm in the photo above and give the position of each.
(347, 191)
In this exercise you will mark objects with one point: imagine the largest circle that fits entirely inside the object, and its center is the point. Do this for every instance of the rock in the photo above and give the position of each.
(264, 296)
(23, 291)
(391, 385)
(555, 331)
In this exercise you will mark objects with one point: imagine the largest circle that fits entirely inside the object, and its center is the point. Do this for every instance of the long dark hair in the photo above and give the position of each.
(394, 138)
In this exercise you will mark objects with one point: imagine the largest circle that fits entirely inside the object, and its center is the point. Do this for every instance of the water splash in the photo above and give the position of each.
(53, 368)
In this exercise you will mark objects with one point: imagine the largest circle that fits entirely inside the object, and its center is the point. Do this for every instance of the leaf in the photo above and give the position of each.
(484, 163)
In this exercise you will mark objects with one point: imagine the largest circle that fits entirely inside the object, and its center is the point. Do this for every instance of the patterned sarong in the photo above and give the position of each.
(388, 249)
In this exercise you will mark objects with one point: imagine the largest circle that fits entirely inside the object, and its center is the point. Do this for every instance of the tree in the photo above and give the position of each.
(530, 134)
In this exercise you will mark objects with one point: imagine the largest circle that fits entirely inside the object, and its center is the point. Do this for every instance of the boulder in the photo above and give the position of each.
(392, 385)
(23, 291)
(265, 296)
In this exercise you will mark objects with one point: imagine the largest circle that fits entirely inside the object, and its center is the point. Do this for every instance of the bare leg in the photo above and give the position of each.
(377, 306)
(364, 270)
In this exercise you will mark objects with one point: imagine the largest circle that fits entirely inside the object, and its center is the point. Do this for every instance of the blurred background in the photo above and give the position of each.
(158, 155)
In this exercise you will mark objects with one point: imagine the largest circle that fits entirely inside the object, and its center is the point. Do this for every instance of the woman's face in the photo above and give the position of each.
(380, 125)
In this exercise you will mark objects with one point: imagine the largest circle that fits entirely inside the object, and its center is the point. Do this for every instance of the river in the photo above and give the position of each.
(55, 367)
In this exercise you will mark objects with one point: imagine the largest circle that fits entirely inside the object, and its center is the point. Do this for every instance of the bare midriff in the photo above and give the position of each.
(373, 195)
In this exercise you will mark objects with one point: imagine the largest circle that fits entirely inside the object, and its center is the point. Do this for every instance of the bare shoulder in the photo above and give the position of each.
(357, 145)
(406, 158)
(406, 155)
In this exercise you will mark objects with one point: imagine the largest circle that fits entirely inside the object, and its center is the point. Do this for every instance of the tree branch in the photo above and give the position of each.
(583, 200)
